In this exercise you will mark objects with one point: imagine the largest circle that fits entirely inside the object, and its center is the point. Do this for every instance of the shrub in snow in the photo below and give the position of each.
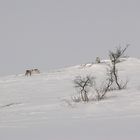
(104, 87)
(86, 84)
(83, 85)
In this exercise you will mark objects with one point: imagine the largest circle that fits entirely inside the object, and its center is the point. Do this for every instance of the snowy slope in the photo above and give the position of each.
(40, 107)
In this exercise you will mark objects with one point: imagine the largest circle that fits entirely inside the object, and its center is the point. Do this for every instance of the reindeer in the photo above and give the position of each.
(97, 61)
(31, 71)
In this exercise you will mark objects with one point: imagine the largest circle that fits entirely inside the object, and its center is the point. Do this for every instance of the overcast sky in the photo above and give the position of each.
(51, 34)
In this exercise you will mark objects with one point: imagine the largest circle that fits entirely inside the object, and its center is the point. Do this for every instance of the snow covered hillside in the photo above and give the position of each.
(40, 106)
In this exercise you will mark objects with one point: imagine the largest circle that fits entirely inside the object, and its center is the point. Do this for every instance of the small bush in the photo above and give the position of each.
(83, 84)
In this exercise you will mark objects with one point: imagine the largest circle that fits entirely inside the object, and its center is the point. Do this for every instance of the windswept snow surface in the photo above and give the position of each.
(40, 107)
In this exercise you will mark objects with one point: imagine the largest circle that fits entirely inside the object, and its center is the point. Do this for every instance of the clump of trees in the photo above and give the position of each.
(88, 83)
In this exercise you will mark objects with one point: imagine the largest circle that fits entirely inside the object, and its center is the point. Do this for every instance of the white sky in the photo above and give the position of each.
(50, 34)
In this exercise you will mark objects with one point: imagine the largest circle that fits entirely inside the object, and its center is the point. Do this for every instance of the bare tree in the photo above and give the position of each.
(104, 87)
(83, 84)
(115, 58)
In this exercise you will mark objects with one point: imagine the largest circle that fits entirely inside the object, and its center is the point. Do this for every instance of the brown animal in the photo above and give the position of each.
(32, 71)
(28, 72)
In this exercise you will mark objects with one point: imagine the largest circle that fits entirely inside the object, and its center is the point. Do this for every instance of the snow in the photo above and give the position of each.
(40, 106)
